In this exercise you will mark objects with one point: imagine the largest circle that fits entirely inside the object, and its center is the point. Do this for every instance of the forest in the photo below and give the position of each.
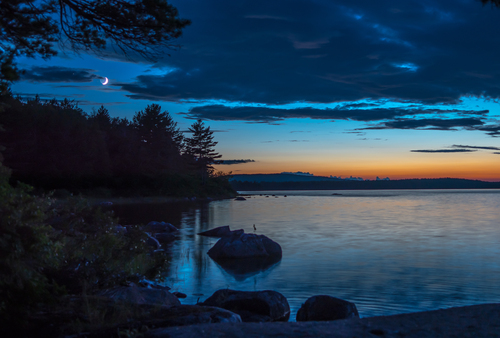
(55, 145)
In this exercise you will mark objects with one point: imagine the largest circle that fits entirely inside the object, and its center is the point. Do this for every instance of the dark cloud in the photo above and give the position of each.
(474, 147)
(281, 51)
(443, 151)
(492, 130)
(229, 162)
(341, 112)
(496, 153)
(430, 124)
(59, 74)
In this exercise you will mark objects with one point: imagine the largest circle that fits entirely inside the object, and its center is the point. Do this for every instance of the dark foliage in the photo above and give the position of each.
(55, 145)
(134, 27)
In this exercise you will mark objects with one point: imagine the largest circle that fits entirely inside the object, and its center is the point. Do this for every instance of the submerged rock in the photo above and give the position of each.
(245, 246)
(325, 308)
(252, 306)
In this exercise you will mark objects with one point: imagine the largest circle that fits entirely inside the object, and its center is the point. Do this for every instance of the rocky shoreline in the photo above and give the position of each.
(468, 321)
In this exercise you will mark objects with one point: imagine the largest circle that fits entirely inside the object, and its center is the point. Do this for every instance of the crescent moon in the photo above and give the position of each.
(105, 81)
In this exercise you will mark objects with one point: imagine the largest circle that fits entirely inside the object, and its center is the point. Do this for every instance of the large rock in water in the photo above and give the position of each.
(252, 306)
(219, 232)
(325, 308)
(245, 246)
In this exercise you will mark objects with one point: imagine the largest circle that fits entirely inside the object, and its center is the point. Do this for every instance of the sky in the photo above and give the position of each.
(406, 89)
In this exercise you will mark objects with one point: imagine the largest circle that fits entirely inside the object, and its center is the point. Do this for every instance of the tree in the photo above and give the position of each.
(31, 27)
(153, 124)
(201, 147)
(101, 117)
(160, 137)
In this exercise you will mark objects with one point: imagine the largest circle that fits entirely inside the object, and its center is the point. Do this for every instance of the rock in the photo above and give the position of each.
(155, 227)
(141, 296)
(219, 232)
(120, 229)
(470, 321)
(153, 242)
(245, 246)
(164, 237)
(179, 294)
(325, 308)
(193, 314)
(252, 306)
(146, 283)
(240, 198)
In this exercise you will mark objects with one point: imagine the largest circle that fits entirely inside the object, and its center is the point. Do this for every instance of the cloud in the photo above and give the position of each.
(430, 124)
(475, 147)
(443, 151)
(59, 74)
(341, 112)
(492, 130)
(329, 51)
(229, 162)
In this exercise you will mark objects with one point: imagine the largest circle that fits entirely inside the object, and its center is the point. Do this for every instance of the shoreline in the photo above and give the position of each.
(467, 321)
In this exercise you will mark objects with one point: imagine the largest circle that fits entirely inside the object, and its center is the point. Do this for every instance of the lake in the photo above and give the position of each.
(389, 252)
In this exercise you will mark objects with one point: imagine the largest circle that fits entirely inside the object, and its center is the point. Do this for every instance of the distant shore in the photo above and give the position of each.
(424, 183)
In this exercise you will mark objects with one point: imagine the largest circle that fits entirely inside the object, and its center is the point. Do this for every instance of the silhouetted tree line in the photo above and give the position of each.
(56, 145)
(425, 183)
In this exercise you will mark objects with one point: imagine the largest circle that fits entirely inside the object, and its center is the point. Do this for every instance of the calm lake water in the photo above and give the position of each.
(388, 252)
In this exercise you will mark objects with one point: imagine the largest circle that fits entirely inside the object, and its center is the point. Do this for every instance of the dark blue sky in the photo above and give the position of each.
(372, 87)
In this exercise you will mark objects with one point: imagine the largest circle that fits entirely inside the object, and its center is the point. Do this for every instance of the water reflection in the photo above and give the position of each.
(244, 268)
(391, 252)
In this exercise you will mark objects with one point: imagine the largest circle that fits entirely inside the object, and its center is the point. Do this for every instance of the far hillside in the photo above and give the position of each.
(296, 182)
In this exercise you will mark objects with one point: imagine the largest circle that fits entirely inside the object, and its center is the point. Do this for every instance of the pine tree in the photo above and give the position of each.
(201, 147)
(161, 139)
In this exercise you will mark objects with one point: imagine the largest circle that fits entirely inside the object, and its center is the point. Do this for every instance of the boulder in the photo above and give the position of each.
(240, 198)
(146, 283)
(252, 306)
(120, 229)
(155, 227)
(164, 237)
(179, 294)
(245, 246)
(222, 231)
(140, 296)
(153, 242)
(326, 308)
